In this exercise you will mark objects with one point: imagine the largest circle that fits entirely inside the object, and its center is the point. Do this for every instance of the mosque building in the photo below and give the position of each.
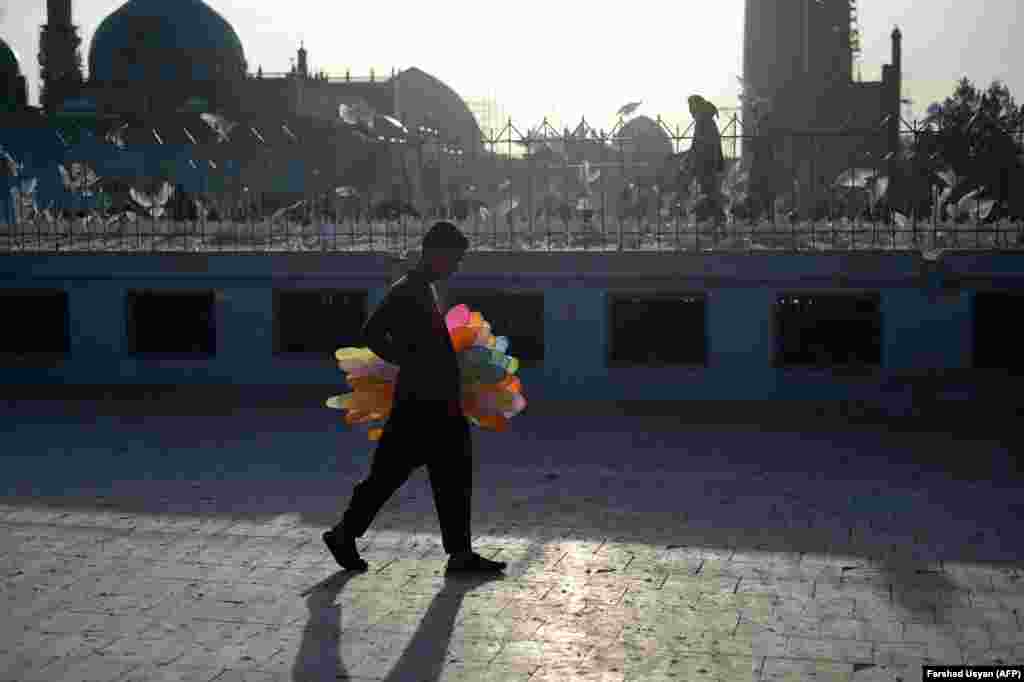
(798, 58)
(157, 70)
(13, 90)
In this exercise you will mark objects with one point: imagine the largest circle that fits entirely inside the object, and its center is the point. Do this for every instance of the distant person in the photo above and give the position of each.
(427, 424)
(708, 161)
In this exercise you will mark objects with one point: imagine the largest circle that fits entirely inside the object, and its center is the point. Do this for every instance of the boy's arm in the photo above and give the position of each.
(384, 324)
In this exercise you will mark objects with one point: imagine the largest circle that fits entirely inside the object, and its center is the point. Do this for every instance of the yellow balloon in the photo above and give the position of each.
(353, 354)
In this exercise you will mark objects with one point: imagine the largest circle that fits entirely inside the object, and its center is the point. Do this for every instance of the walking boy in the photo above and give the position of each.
(426, 425)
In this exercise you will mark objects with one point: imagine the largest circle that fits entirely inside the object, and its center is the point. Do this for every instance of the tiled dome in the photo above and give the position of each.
(161, 40)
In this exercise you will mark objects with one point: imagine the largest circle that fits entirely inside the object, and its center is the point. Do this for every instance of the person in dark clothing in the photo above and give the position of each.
(707, 145)
(427, 425)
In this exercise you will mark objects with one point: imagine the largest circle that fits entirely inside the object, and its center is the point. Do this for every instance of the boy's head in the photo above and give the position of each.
(443, 249)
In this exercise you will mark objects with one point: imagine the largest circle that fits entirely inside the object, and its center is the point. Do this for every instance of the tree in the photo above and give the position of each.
(977, 137)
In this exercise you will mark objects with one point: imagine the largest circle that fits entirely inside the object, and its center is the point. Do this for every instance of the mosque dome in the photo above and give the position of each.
(649, 138)
(183, 40)
(8, 61)
(423, 99)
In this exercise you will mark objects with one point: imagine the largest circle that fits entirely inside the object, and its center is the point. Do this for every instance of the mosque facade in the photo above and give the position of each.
(798, 59)
(13, 89)
(155, 66)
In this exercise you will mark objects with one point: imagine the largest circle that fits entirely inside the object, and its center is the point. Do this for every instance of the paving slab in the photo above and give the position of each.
(183, 543)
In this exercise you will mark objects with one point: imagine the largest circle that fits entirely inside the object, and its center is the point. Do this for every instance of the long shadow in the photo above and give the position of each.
(300, 459)
(426, 654)
(318, 657)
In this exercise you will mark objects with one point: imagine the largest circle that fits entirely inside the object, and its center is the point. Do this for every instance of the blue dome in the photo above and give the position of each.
(177, 40)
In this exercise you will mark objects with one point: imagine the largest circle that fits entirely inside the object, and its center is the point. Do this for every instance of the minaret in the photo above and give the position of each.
(303, 64)
(60, 62)
(896, 92)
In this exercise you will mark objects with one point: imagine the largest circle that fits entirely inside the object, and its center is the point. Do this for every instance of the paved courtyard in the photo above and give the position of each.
(145, 540)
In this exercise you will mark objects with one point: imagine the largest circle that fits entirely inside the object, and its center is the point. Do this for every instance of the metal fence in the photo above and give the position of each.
(549, 190)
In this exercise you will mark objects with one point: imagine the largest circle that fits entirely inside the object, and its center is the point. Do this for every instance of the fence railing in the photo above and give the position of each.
(542, 190)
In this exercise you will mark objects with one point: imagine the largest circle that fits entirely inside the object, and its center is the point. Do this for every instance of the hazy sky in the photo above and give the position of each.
(567, 60)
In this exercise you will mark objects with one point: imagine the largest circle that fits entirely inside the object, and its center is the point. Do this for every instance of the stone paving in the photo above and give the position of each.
(187, 547)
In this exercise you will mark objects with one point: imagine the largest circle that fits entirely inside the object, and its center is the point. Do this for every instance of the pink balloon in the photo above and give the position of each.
(457, 317)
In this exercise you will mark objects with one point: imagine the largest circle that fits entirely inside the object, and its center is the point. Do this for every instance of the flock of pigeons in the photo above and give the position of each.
(867, 186)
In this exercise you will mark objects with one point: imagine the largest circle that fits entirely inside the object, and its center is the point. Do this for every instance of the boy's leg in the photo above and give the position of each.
(389, 470)
(451, 478)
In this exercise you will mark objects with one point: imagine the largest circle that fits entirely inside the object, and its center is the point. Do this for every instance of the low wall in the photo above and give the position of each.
(927, 313)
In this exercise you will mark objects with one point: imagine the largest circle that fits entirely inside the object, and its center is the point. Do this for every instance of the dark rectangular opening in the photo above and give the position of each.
(657, 330)
(318, 321)
(516, 315)
(996, 345)
(828, 330)
(171, 323)
(38, 325)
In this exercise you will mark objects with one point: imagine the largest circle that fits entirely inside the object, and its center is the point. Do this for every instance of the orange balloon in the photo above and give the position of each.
(494, 422)
(463, 338)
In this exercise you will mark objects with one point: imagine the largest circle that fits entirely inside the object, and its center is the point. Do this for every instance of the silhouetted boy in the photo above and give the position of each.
(426, 425)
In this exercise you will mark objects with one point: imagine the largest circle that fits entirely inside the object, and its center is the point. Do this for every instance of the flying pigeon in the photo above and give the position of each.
(858, 178)
(154, 203)
(628, 109)
(588, 176)
(281, 211)
(357, 113)
(289, 133)
(749, 94)
(972, 205)
(7, 163)
(395, 122)
(507, 206)
(116, 137)
(78, 178)
(219, 125)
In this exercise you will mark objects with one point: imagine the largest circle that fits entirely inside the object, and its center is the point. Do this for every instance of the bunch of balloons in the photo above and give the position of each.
(491, 393)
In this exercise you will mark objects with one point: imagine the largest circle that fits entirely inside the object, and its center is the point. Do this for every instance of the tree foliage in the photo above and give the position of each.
(977, 133)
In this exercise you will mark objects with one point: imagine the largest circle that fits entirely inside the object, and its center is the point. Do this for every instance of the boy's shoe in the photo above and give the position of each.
(344, 551)
(474, 563)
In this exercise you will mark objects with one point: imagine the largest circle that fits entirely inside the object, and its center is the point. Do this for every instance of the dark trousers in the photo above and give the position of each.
(414, 437)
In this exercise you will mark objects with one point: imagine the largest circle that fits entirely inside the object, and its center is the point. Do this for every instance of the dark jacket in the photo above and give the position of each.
(707, 145)
(407, 329)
